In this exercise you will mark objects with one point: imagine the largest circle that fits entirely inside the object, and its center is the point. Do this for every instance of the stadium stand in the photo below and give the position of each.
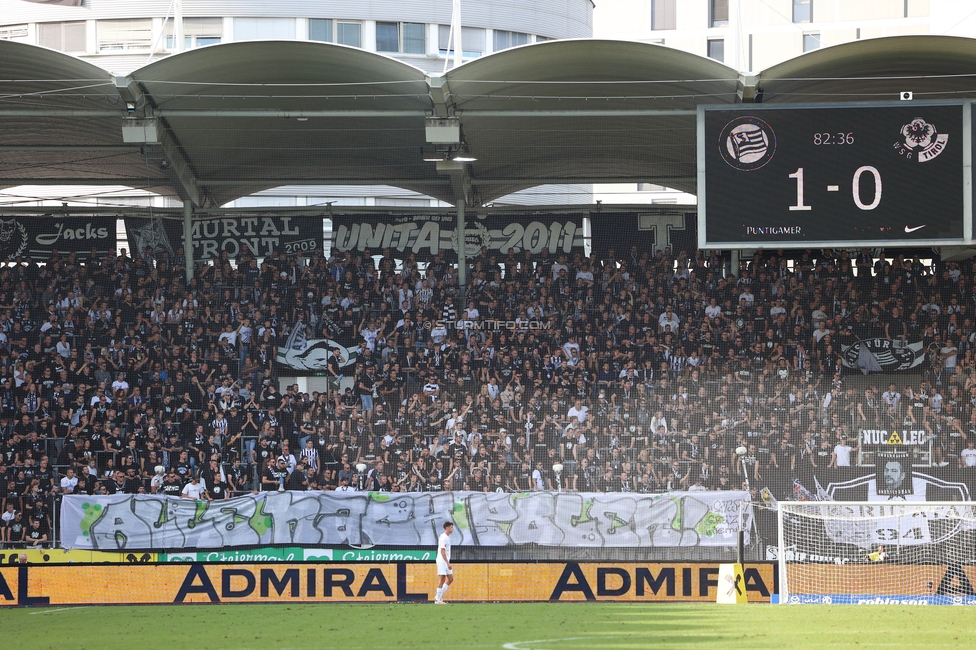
(642, 374)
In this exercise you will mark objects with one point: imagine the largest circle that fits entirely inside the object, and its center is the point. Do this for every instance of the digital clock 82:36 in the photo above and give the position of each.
(833, 138)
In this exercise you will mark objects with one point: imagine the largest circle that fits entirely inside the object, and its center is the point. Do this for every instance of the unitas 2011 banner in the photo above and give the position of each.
(426, 235)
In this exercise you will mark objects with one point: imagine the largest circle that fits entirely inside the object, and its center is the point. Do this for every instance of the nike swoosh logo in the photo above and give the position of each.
(907, 229)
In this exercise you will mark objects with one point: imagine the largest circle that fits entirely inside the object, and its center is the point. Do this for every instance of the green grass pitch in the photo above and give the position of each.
(518, 626)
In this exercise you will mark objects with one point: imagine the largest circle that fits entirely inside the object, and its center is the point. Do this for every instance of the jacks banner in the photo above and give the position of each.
(562, 519)
(34, 237)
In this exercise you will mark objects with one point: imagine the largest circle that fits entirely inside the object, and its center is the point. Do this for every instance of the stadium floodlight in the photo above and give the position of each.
(463, 154)
(870, 552)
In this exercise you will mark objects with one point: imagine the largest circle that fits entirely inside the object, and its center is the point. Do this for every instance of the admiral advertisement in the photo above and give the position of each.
(235, 235)
(36, 237)
(888, 583)
(427, 235)
(400, 582)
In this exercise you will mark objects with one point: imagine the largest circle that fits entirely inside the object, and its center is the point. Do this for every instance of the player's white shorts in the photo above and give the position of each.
(442, 569)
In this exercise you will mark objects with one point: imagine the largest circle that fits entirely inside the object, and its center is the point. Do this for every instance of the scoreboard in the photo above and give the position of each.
(833, 175)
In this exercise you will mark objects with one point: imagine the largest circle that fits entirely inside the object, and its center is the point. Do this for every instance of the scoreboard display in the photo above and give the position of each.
(831, 175)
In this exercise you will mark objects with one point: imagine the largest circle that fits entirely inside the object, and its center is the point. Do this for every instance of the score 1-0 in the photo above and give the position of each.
(855, 188)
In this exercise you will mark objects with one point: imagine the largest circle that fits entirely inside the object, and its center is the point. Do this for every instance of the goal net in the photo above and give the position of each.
(872, 553)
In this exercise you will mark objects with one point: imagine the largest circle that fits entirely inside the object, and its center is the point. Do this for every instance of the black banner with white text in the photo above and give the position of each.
(235, 235)
(427, 235)
(37, 237)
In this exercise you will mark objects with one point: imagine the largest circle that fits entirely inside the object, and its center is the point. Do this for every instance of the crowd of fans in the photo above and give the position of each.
(640, 372)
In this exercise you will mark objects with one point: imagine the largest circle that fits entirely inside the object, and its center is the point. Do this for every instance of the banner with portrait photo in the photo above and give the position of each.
(894, 472)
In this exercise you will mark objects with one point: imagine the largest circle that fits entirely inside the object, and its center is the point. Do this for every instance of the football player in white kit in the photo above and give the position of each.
(445, 573)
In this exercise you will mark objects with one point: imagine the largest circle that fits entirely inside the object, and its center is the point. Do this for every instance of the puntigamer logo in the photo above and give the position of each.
(747, 143)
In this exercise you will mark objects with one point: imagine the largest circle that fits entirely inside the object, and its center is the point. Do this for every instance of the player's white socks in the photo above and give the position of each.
(444, 590)
(440, 594)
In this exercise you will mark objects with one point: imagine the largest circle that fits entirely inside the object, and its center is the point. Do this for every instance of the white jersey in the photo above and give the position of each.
(444, 542)
(968, 457)
(843, 453)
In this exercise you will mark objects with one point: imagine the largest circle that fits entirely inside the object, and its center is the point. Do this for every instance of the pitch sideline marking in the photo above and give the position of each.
(518, 645)
(61, 609)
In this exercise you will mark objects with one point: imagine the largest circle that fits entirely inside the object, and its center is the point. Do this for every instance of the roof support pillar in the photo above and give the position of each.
(462, 255)
(188, 238)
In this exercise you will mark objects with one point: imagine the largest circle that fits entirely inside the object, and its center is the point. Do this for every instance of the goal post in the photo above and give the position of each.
(876, 552)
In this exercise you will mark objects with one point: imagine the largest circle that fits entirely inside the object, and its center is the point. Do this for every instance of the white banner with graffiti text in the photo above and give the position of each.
(362, 519)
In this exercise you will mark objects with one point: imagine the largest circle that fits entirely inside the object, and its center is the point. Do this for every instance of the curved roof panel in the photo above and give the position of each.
(588, 110)
(60, 118)
(932, 67)
(288, 112)
(240, 117)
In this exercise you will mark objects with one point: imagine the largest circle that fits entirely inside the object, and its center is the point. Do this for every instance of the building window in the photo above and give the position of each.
(264, 29)
(505, 40)
(472, 41)
(811, 42)
(409, 38)
(8, 32)
(543, 39)
(718, 13)
(662, 14)
(320, 29)
(197, 32)
(802, 11)
(349, 34)
(124, 35)
(716, 49)
(64, 37)
(650, 187)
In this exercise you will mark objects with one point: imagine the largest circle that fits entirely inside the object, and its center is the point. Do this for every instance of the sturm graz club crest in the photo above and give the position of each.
(890, 357)
(13, 239)
(474, 239)
(921, 141)
(747, 143)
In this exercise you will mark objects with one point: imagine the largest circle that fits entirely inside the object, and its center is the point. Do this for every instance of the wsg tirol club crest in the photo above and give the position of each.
(747, 143)
(921, 141)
